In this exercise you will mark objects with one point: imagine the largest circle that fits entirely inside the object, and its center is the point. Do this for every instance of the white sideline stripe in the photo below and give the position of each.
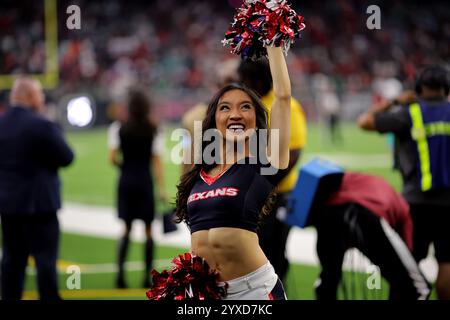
(102, 222)
(407, 259)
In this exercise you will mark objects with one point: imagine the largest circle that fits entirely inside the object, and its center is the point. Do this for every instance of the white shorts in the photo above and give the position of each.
(261, 284)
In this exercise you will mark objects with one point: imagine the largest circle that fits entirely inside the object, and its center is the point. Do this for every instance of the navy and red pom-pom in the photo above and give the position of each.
(261, 23)
(189, 279)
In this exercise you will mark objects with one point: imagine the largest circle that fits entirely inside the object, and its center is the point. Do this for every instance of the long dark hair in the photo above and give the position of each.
(138, 121)
(188, 180)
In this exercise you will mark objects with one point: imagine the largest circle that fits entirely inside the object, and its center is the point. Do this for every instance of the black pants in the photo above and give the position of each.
(38, 236)
(273, 235)
(431, 226)
(351, 226)
(333, 126)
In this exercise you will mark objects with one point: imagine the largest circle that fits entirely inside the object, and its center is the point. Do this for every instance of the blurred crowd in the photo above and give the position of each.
(173, 48)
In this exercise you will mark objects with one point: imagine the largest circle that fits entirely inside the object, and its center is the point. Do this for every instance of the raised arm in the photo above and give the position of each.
(366, 121)
(280, 116)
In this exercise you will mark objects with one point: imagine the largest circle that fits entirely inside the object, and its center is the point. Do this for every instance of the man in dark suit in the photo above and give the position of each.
(31, 151)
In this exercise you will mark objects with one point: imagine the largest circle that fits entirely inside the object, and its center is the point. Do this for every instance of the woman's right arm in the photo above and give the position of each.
(114, 157)
(114, 143)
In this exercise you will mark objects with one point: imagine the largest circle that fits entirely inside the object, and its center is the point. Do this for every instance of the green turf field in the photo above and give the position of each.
(96, 256)
(89, 251)
(91, 180)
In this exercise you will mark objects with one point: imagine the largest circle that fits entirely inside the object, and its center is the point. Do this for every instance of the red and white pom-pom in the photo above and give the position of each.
(261, 23)
(189, 279)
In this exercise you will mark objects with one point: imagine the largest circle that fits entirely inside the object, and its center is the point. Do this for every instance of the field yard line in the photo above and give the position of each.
(102, 222)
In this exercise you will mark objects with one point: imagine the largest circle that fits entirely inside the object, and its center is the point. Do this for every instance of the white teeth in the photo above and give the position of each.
(236, 127)
(236, 131)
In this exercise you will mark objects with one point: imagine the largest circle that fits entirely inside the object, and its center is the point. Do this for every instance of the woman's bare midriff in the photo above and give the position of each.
(232, 252)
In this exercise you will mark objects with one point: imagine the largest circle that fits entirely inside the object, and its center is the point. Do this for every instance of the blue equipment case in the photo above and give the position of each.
(317, 180)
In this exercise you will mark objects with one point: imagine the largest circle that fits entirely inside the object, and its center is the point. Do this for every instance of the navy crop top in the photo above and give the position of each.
(233, 199)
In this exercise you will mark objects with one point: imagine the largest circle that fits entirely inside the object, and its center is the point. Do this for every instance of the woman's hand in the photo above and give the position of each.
(113, 157)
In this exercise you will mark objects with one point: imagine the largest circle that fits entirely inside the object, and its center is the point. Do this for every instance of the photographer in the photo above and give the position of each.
(420, 121)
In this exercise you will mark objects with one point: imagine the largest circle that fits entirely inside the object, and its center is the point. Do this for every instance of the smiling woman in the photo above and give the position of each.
(235, 114)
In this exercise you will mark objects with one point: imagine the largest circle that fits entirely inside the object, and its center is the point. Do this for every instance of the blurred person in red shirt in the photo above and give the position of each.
(366, 213)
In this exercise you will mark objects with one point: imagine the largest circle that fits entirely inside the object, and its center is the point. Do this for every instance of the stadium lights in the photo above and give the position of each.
(80, 112)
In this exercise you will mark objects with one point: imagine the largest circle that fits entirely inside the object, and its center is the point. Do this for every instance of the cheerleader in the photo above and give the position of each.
(222, 201)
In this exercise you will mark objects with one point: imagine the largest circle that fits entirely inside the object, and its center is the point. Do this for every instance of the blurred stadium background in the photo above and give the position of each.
(173, 48)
